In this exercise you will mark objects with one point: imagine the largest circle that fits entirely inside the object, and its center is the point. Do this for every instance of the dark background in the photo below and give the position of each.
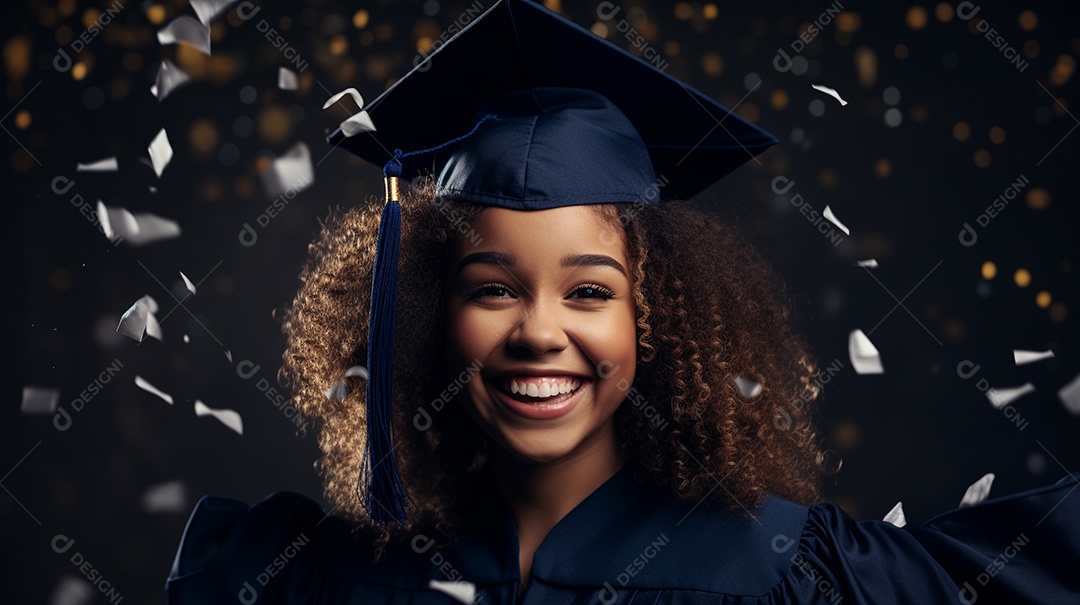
(971, 123)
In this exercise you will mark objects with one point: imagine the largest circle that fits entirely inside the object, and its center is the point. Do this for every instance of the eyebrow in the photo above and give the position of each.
(570, 260)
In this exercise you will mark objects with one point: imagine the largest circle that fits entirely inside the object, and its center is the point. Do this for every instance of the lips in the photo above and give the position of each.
(535, 408)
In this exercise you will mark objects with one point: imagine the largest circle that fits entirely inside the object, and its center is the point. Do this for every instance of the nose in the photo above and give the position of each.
(540, 330)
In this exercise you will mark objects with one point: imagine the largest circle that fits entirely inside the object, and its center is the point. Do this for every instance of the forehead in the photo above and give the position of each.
(545, 234)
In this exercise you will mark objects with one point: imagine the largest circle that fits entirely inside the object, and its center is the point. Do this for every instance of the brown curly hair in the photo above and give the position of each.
(709, 309)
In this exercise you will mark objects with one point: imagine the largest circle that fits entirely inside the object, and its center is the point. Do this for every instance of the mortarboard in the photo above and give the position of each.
(524, 109)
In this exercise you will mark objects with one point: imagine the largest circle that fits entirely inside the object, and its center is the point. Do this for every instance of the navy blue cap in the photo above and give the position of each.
(524, 109)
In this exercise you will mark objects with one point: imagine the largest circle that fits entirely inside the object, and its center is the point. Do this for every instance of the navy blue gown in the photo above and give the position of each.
(625, 544)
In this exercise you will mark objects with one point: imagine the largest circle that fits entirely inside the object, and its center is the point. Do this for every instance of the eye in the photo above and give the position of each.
(594, 291)
(492, 290)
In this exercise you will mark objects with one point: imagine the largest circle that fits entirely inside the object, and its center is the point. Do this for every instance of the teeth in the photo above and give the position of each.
(543, 390)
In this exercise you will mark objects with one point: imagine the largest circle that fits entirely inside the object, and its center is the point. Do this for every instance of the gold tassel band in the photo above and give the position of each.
(391, 188)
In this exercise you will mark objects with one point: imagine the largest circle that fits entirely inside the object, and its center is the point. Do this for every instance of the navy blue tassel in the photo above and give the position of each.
(384, 495)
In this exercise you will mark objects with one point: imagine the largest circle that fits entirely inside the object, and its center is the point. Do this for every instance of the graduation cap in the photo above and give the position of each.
(524, 109)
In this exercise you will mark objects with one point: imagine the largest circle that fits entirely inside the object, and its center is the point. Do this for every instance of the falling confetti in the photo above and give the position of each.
(460, 590)
(337, 391)
(352, 92)
(829, 91)
(153, 328)
(978, 491)
(133, 321)
(287, 79)
(291, 172)
(135, 229)
(748, 388)
(73, 591)
(357, 372)
(208, 9)
(160, 152)
(1001, 397)
(229, 418)
(39, 400)
(187, 282)
(832, 218)
(105, 165)
(1070, 395)
(169, 78)
(169, 497)
(228, 355)
(356, 123)
(896, 515)
(149, 388)
(1023, 357)
(870, 264)
(864, 355)
(186, 30)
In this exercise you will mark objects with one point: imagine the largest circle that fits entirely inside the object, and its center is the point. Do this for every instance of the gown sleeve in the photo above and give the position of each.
(1021, 548)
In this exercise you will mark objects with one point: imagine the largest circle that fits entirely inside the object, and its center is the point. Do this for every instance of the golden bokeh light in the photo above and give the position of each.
(988, 270)
(1022, 278)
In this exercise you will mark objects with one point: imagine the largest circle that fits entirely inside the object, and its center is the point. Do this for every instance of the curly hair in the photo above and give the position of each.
(709, 310)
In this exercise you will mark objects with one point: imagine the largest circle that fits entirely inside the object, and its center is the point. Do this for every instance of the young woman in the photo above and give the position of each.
(594, 396)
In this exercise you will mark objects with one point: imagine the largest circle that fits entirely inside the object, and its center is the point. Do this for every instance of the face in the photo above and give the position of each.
(542, 299)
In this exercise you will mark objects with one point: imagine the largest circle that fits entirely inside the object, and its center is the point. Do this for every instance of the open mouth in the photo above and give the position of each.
(546, 390)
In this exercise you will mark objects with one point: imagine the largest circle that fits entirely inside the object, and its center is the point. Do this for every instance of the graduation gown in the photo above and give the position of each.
(626, 544)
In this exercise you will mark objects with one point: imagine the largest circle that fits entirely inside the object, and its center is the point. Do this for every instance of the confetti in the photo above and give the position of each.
(228, 355)
(169, 78)
(978, 491)
(864, 355)
(459, 590)
(832, 218)
(133, 321)
(337, 391)
(229, 418)
(105, 165)
(357, 123)
(169, 497)
(896, 515)
(208, 9)
(871, 264)
(357, 372)
(1001, 397)
(153, 328)
(352, 92)
(1070, 395)
(1023, 357)
(286, 79)
(149, 388)
(748, 388)
(187, 282)
(829, 91)
(160, 152)
(186, 339)
(186, 30)
(39, 400)
(135, 229)
(73, 591)
(291, 172)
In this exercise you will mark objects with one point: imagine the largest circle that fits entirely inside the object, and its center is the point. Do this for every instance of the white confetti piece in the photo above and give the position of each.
(135, 229)
(832, 218)
(153, 328)
(896, 515)
(187, 30)
(864, 355)
(73, 590)
(287, 80)
(357, 372)
(187, 282)
(160, 152)
(149, 388)
(133, 321)
(1070, 395)
(337, 391)
(1001, 397)
(870, 264)
(168, 497)
(186, 339)
(352, 92)
(748, 388)
(105, 165)
(291, 172)
(169, 78)
(357, 123)
(1023, 357)
(151, 304)
(829, 91)
(229, 418)
(208, 9)
(39, 400)
(461, 591)
(228, 355)
(978, 491)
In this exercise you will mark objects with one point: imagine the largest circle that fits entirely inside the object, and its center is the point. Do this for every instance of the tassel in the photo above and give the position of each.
(384, 497)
